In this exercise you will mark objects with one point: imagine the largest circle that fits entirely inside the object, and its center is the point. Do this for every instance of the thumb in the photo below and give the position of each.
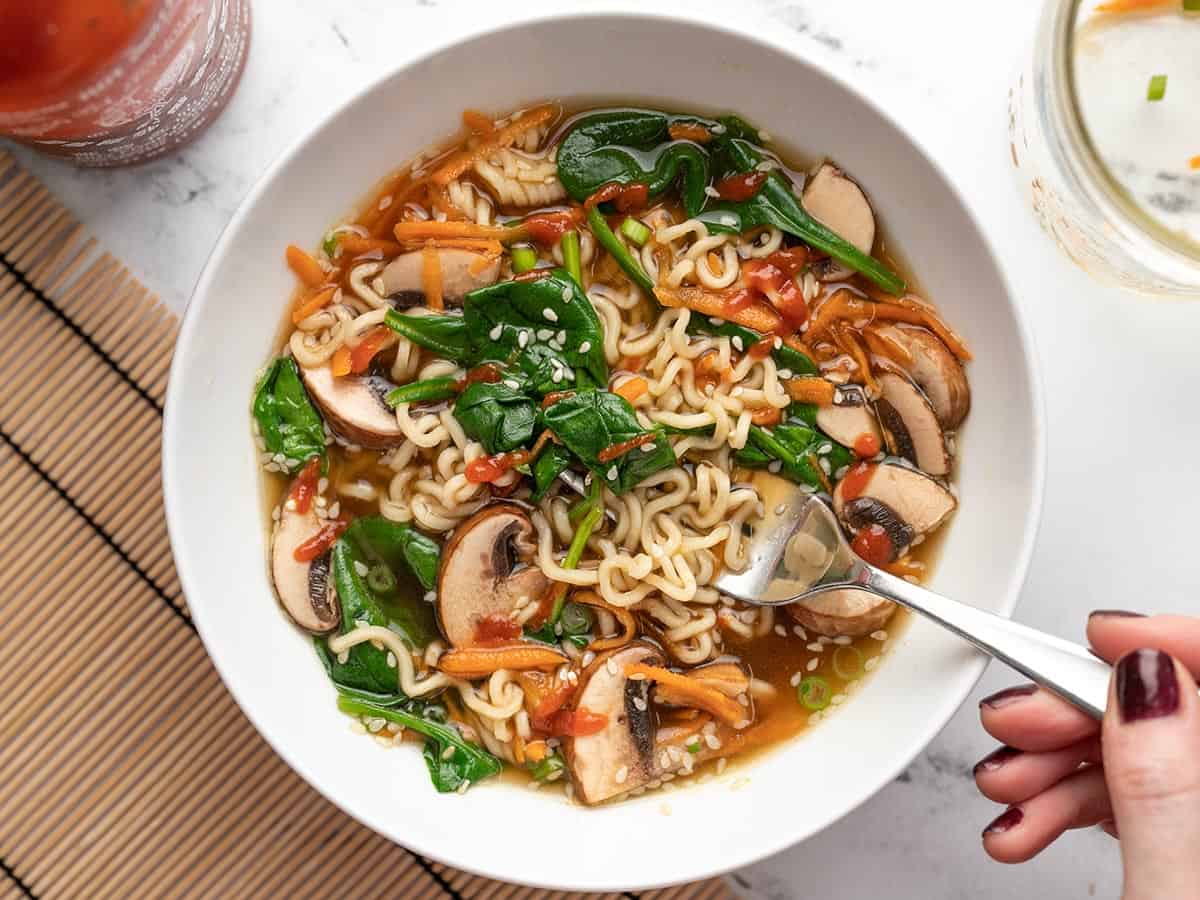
(1151, 745)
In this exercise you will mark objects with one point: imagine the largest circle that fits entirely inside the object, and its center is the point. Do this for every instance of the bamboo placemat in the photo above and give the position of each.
(126, 770)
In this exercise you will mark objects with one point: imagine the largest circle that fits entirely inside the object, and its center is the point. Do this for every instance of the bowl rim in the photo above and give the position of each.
(970, 671)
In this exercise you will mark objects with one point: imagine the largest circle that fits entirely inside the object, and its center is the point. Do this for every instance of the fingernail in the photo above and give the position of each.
(996, 759)
(1006, 821)
(1146, 685)
(1115, 614)
(1008, 696)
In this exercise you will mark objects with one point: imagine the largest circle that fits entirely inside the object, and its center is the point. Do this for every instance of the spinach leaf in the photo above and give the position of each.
(628, 146)
(777, 204)
(429, 390)
(590, 421)
(550, 463)
(785, 357)
(381, 570)
(500, 417)
(445, 335)
(287, 421)
(540, 370)
(466, 762)
(547, 635)
(511, 314)
(799, 448)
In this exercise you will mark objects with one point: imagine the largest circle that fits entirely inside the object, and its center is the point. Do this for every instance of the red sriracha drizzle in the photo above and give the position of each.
(866, 445)
(779, 288)
(547, 228)
(625, 197)
(873, 544)
(737, 188)
(305, 486)
(496, 629)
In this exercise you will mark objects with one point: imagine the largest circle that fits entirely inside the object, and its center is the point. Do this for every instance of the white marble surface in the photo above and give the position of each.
(1119, 370)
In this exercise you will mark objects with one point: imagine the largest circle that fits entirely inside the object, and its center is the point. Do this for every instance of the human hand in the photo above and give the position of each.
(1136, 775)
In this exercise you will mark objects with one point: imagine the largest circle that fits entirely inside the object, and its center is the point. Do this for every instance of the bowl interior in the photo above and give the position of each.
(211, 475)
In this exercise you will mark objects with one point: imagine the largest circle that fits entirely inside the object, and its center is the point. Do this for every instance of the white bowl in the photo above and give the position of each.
(212, 486)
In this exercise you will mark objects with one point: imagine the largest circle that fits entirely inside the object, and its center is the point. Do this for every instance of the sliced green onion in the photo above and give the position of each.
(693, 747)
(847, 663)
(576, 619)
(380, 579)
(523, 259)
(330, 245)
(570, 254)
(638, 232)
(429, 390)
(548, 768)
(619, 251)
(814, 693)
(1158, 88)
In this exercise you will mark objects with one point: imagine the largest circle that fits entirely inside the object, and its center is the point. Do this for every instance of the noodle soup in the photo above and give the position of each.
(531, 401)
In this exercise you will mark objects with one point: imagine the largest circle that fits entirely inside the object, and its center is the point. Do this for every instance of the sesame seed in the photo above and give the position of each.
(375, 724)
(879, 635)
(448, 752)
(622, 774)
(871, 663)
(815, 647)
(361, 568)
(639, 704)
(462, 788)
(714, 743)
(715, 321)
(711, 191)
(561, 337)
(522, 338)
(566, 295)
(430, 596)
(550, 315)
(774, 465)
(800, 632)
(736, 340)
(391, 660)
(784, 373)
(515, 385)
(781, 631)
(343, 657)
(795, 679)
(812, 664)
(837, 699)
(843, 640)
(611, 474)
(585, 346)
(495, 333)
(610, 666)
(544, 334)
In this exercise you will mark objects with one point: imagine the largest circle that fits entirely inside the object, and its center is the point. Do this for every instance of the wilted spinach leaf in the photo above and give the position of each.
(445, 335)
(287, 421)
(797, 445)
(591, 421)
(500, 417)
(785, 357)
(550, 463)
(466, 762)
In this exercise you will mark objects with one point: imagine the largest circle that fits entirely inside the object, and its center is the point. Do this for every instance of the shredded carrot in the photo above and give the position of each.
(689, 131)
(341, 363)
(535, 751)
(306, 268)
(815, 464)
(671, 687)
(846, 338)
(478, 122)
(846, 305)
(766, 415)
(1122, 6)
(461, 161)
(632, 388)
(518, 746)
(431, 278)
(810, 389)
(316, 302)
(624, 618)
(432, 229)
(480, 662)
(882, 344)
(1194, 162)
(373, 341)
(354, 245)
(757, 314)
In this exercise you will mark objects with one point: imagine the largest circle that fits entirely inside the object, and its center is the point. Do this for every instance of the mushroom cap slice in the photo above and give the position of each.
(902, 500)
(936, 371)
(353, 407)
(839, 204)
(304, 589)
(487, 570)
(847, 612)
(626, 743)
(910, 426)
(403, 279)
(849, 418)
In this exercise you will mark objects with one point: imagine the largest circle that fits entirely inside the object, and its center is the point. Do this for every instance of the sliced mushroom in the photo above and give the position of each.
(849, 418)
(620, 757)
(487, 570)
(847, 612)
(462, 271)
(936, 371)
(839, 204)
(910, 426)
(304, 589)
(902, 501)
(354, 408)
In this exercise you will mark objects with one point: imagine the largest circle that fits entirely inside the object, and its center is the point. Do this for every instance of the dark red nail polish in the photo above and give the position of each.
(1006, 821)
(1115, 614)
(1008, 695)
(996, 759)
(1146, 685)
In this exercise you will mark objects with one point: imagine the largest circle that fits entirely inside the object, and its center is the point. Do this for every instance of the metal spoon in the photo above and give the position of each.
(798, 550)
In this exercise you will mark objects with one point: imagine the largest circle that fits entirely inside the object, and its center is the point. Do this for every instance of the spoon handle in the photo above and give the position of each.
(1060, 666)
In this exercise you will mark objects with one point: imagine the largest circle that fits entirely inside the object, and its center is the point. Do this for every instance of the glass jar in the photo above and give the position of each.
(1103, 161)
(115, 82)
